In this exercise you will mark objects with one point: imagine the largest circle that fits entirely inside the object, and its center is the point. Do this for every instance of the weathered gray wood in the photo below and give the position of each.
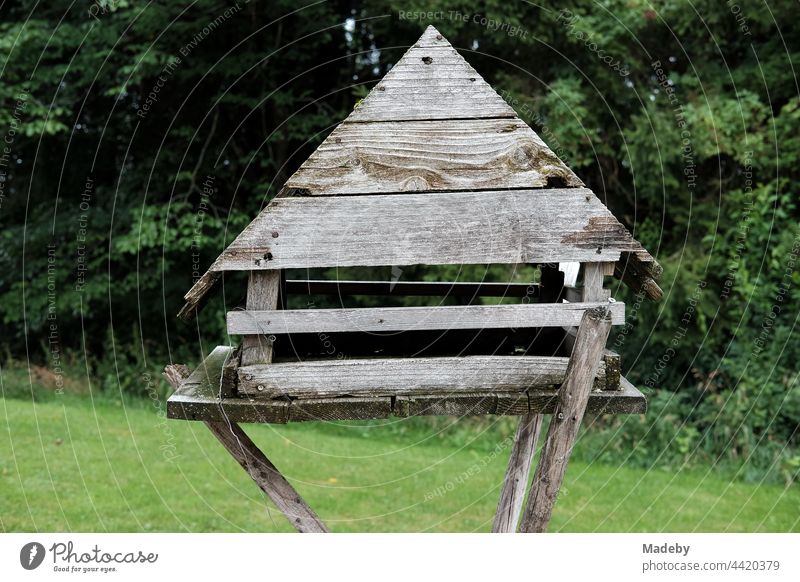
(413, 318)
(196, 296)
(512, 404)
(592, 290)
(230, 374)
(573, 397)
(312, 409)
(371, 158)
(467, 404)
(267, 477)
(613, 370)
(440, 376)
(198, 396)
(517, 226)
(593, 274)
(512, 494)
(415, 288)
(640, 275)
(431, 38)
(175, 374)
(431, 81)
(198, 400)
(262, 293)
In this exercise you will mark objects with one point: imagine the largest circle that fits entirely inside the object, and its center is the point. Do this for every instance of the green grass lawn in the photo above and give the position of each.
(69, 465)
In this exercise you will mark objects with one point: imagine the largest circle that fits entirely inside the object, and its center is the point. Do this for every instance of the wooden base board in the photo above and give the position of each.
(197, 398)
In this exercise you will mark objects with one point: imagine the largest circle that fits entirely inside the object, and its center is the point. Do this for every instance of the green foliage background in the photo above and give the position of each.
(701, 164)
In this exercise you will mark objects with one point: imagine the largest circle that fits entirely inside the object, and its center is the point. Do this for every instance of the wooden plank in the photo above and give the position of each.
(516, 226)
(514, 404)
(573, 397)
(230, 374)
(411, 288)
(339, 409)
(612, 359)
(198, 396)
(626, 400)
(196, 296)
(431, 81)
(613, 363)
(267, 477)
(371, 158)
(450, 405)
(262, 294)
(431, 38)
(200, 402)
(593, 289)
(404, 377)
(413, 318)
(640, 275)
(512, 494)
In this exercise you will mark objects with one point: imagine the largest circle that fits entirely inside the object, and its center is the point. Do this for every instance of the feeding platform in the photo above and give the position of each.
(431, 168)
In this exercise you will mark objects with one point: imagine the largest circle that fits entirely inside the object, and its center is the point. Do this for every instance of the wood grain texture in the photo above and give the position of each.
(197, 295)
(262, 293)
(593, 274)
(198, 396)
(573, 397)
(444, 317)
(411, 288)
(267, 477)
(326, 409)
(198, 400)
(371, 158)
(640, 275)
(440, 376)
(517, 226)
(512, 493)
(431, 81)
(467, 404)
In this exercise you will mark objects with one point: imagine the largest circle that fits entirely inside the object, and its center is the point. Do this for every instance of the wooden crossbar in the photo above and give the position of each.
(439, 376)
(411, 288)
(413, 318)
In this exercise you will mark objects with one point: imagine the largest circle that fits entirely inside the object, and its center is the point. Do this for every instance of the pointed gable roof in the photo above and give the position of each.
(431, 123)
(469, 181)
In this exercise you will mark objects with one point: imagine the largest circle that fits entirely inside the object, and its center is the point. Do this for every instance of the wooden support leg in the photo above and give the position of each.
(262, 293)
(267, 477)
(519, 466)
(572, 398)
(258, 466)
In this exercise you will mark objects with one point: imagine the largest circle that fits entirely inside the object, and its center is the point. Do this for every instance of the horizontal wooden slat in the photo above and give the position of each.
(411, 288)
(371, 158)
(431, 82)
(517, 226)
(198, 400)
(198, 397)
(414, 318)
(404, 377)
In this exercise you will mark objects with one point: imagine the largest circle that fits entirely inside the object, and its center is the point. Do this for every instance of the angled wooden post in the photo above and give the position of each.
(512, 495)
(267, 477)
(572, 398)
(258, 466)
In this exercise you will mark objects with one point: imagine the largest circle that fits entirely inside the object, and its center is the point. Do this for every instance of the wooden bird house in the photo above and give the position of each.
(432, 168)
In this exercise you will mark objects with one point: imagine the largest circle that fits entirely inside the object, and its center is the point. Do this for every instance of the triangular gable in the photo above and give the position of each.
(454, 156)
(431, 124)
(431, 81)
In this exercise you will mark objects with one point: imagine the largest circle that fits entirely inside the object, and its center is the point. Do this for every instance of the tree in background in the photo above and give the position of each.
(140, 138)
